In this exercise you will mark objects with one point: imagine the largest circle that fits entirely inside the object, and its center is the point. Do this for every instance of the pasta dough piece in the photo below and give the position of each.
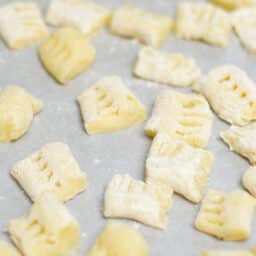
(7, 249)
(203, 21)
(51, 169)
(21, 24)
(181, 167)
(168, 68)
(231, 94)
(132, 22)
(86, 16)
(132, 199)
(17, 108)
(186, 115)
(242, 140)
(234, 4)
(244, 23)
(226, 253)
(66, 54)
(217, 218)
(118, 239)
(109, 105)
(47, 229)
(249, 180)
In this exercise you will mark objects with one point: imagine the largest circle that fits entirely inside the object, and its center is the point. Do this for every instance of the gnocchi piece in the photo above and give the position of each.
(51, 169)
(244, 23)
(249, 180)
(86, 16)
(21, 24)
(149, 28)
(187, 116)
(119, 239)
(217, 218)
(178, 166)
(204, 22)
(234, 4)
(66, 54)
(132, 199)
(17, 108)
(242, 140)
(167, 68)
(47, 229)
(226, 253)
(109, 106)
(7, 249)
(231, 94)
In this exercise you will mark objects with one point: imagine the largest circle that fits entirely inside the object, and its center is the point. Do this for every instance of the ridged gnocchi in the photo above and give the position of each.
(66, 54)
(109, 105)
(203, 22)
(51, 169)
(149, 28)
(7, 249)
(167, 68)
(17, 108)
(187, 116)
(173, 163)
(249, 180)
(21, 24)
(234, 4)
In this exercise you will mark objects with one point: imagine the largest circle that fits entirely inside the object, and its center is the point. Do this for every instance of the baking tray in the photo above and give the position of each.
(104, 155)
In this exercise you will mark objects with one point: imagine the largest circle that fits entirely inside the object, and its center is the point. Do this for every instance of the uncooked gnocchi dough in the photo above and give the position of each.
(109, 105)
(126, 197)
(118, 239)
(244, 23)
(231, 94)
(203, 21)
(85, 15)
(234, 4)
(7, 249)
(167, 68)
(66, 54)
(149, 28)
(179, 166)
(17, 108)
(227, 253)
(187, 116)
(227, 216)
(51, 169)
(47, 229)
(249, 180)
(242, 140)
(21, 24)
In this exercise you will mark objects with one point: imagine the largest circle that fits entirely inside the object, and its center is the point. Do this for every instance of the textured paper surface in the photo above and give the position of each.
(104, 155)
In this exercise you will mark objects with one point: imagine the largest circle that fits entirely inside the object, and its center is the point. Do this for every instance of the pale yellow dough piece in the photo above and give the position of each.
(187, 116)
(7, 249)
(204, 22)
(21, 24)
(149, 28)
(109, 106)
(231, 94)
(85, 15)
(66, 54)
(244, 24)
(242, 140)
(128, 198)
(47, 229)
(17, 108)
(234, 4)
(227, 253)
(179, 166)
(167, 68)
(51, 169)
(227, 216)
(118, 239)
(249, 180)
